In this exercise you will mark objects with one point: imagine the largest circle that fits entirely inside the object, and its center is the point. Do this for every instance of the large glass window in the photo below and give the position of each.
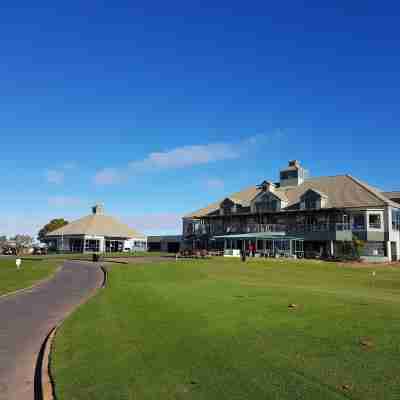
(92, 245)
(374, 221)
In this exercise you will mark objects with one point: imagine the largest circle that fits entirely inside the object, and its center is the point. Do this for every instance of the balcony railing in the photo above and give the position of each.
(292, 228)
(321, 227)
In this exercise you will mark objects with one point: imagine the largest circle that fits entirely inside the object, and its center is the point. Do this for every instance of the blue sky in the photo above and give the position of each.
(157, 108)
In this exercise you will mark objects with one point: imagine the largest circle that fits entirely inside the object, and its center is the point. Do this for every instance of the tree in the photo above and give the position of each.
(50, 227)
(358, 245)
(21, 242)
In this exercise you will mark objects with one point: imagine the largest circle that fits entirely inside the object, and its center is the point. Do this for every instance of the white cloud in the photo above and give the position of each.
(63, 201)
(183, 157)
(214, 183)
(55, 176)
(186, 156)
(108, 176)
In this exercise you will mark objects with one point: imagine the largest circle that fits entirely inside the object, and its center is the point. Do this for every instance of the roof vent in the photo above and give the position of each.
(98, 209)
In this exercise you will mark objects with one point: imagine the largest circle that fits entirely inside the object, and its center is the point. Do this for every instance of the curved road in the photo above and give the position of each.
(27, 318)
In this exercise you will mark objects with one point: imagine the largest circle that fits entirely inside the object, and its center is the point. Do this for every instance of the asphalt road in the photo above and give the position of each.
(27, 318)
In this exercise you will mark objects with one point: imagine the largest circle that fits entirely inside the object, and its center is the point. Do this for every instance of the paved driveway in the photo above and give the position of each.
(27, 318)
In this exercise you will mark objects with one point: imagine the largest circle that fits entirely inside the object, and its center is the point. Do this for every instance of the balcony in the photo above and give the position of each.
(290, 228)
(322, 227)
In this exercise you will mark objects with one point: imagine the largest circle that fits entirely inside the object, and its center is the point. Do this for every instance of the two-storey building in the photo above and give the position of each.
(327, 213)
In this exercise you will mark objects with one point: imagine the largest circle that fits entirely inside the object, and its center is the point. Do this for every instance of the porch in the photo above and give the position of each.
(264, 244)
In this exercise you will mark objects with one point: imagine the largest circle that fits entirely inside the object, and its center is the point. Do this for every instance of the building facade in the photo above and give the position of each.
(96, 233)
(328, 213)
(166, 243)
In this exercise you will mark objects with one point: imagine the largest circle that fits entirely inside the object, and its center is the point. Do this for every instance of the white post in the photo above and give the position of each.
(398, 250)
(389, 251)
(332, 249)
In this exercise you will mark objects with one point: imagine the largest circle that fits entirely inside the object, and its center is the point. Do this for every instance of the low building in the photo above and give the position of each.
(327, 215)
(169, 244)
(96, 233)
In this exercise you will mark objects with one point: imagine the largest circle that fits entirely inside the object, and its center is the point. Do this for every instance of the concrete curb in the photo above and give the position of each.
(34, 286)
(43, 378)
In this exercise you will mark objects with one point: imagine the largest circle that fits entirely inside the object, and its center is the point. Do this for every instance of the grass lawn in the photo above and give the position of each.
(88, 256)
(138, 254)
(221, 329)
(31, 271)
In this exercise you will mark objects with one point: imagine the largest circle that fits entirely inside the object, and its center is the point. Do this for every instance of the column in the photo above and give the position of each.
(332, 248)
(102, 245)
(389, 250)
(398, 250)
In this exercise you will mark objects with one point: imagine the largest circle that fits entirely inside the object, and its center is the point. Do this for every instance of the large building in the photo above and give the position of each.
(96, 233)
(323, 216)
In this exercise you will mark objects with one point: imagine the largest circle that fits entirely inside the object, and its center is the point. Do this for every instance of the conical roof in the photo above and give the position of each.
(97, 224)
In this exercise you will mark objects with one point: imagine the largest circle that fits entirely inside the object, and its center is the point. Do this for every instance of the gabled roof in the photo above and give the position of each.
(97, 224)
(314, 191)
(245, 196)
(277, 193)
(342, 191)
(392, 195)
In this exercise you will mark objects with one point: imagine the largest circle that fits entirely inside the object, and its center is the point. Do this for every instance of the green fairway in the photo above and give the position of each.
(221, 329)
(30, 272)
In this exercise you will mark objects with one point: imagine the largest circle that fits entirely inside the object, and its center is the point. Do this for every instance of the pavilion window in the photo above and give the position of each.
(92, 245)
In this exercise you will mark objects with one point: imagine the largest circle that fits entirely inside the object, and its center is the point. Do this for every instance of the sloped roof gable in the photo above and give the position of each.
(101, 225)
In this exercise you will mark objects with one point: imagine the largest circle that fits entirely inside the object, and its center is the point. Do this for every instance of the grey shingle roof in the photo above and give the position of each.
(342, 191)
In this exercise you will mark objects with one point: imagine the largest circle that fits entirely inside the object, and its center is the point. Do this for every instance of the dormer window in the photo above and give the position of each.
(313, 200)
(228, 207)
(268, 201)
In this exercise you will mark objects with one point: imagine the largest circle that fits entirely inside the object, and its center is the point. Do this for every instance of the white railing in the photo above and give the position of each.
(258, 228)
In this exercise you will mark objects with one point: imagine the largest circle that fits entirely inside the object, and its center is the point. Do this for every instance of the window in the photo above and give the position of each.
(310, 204)
(374, 221)
(359, 221)
(92, 245)
(289, 175)
(396, 220)
(267, 203)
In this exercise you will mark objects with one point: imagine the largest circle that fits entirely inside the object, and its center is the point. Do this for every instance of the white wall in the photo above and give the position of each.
(130, 244)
